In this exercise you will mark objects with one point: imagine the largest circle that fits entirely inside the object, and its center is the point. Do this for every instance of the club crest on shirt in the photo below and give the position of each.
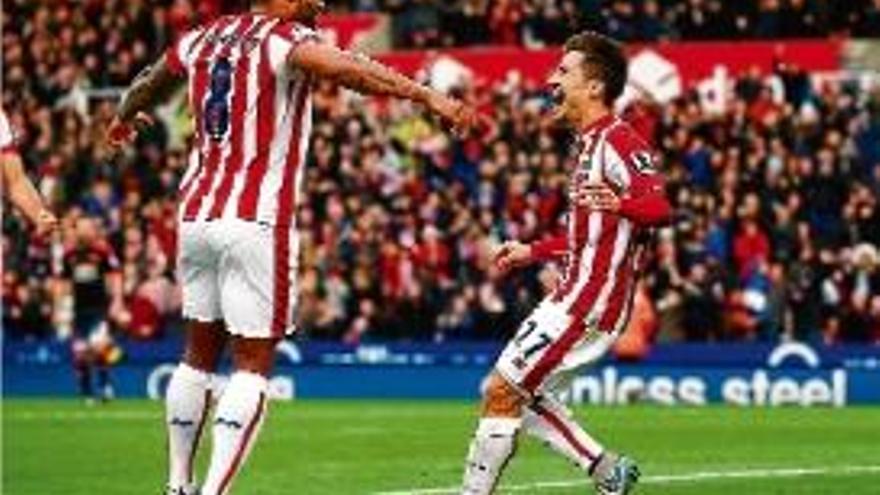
(644, 162)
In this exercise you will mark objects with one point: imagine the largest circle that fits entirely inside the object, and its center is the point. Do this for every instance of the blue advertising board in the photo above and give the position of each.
(687, 374)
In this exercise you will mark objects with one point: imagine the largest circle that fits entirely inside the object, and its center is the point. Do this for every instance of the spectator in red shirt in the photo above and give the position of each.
(505, 19)
(432, 256)
(750, 246)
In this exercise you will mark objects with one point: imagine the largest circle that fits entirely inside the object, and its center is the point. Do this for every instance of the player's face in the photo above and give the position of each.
(571, 87)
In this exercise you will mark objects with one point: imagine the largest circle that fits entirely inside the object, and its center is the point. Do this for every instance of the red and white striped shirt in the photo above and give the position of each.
(601, 248)
(7, 137)
(252, 118)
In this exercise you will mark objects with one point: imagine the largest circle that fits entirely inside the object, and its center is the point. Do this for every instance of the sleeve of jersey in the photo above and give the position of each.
(178, 54)
(644, 200)
(286, 38)
(549, 248)
(650, 210)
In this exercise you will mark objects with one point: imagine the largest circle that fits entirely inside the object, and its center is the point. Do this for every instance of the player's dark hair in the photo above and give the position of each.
(603, 59)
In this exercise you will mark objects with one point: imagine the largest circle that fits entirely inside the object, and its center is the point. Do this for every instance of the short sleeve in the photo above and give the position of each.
(284, 38)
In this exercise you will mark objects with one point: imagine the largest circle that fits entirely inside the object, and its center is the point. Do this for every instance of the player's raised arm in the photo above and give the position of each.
(154, 85)
(361, 74)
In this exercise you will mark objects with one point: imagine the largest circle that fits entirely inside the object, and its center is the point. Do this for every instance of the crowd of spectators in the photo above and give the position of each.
(420, 23)
(776, 199)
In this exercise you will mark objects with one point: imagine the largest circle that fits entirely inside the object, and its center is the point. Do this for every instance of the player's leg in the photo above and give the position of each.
(240, 412)
(84, 324)
(188, 399)
(551, 422)
(257, 274)
(103, 349)
(105, 385)
(494, 441)
(82, 367)
(188, 396)
(504, 397)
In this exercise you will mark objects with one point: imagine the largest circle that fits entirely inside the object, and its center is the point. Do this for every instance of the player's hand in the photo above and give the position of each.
(121, 134)
(460, 116)
(46, 223)
(510, 255)
(595, 197)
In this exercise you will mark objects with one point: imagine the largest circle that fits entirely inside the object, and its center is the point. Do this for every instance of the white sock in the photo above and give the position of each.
(552, 423)
(186, 407)
(237, 423)
(492, 446)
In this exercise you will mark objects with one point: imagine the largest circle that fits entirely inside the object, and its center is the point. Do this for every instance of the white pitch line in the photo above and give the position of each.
(664, 479)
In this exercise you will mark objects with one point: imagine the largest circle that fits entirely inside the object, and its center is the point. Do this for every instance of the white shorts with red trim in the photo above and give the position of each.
(549, 346)
(243, 273)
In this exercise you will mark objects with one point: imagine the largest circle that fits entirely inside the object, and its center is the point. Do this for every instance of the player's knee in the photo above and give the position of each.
(500, 399)
(254, 355)
(201, 359)
(204, 345)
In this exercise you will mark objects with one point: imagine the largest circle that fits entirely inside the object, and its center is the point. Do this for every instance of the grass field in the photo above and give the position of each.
(329, 448)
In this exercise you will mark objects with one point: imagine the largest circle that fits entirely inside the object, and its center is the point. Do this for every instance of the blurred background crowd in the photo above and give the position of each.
(423, 23)
(776, 198)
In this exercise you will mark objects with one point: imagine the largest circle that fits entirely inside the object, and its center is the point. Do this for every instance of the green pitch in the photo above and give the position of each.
(330, 448)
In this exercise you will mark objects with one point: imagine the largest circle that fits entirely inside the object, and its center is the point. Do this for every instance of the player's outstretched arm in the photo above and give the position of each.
(514, 254)
(363, 75)
(24, 195)
(154, 85)
(549, 248)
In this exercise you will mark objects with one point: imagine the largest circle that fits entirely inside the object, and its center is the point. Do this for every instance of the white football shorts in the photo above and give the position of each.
(549, 346)
(240, 272)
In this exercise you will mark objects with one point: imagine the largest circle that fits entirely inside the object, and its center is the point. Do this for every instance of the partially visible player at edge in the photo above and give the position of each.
(13, 180)
(249, 79)
(618, 195)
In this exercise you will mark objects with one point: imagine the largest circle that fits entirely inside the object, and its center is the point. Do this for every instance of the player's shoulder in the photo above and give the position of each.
(626, 145)
(625, 139)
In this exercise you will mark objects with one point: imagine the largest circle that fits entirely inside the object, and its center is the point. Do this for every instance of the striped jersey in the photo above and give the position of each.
(7, 138)
(599, 276)
(252, 114)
